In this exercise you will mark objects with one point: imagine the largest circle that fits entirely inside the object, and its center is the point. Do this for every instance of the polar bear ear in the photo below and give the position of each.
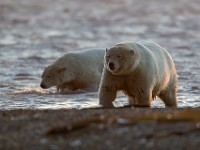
(61, 70)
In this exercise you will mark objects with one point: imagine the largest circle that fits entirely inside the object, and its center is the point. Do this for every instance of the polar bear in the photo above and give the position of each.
(75, 70)
(142, 70)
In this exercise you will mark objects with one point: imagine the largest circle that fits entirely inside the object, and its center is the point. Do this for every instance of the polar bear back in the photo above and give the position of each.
(158, 64)
(90, 59)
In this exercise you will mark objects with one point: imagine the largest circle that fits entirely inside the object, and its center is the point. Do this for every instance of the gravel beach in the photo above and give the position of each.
(113, 129)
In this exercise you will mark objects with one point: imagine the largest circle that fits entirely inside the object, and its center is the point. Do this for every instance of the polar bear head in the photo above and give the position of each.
(121, 59)
(58, 73)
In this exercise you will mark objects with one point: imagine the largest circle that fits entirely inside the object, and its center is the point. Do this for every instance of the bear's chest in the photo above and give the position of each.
(133, 86)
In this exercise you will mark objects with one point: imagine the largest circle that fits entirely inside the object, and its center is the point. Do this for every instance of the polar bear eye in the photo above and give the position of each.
(108, 56)
(48, 76)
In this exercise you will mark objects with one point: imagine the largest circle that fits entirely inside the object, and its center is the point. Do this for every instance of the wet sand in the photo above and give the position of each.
(122, 128)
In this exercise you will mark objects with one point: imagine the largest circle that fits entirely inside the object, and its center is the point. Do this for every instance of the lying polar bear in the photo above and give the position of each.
(75, 70)
(142, 70)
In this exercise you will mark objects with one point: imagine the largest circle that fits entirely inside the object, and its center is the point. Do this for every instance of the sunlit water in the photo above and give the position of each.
(20, 80)
(36, 98)
(33, 37)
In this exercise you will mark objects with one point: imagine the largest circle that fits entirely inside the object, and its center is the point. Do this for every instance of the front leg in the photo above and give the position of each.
(107, 96)
(108, 88)
(66, 87)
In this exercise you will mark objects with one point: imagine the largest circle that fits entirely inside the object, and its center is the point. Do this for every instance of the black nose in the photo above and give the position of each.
(111, 66)
(42, 86)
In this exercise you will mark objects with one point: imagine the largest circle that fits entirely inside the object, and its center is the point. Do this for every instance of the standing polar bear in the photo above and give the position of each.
(142, 70)
(75, 70)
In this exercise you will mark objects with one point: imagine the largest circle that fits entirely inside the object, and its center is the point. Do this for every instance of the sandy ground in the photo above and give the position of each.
(33, 33)
(122, 128)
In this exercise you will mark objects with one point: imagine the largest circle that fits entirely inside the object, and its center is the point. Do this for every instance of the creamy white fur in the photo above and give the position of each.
(143, 70)
(75, 70)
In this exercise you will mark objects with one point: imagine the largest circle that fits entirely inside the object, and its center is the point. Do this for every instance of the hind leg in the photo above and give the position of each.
(169, 97)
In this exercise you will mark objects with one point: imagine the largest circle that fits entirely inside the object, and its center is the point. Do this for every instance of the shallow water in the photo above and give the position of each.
(33, 34)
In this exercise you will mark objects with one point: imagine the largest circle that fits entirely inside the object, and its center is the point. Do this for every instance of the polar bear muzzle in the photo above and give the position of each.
(111, 65)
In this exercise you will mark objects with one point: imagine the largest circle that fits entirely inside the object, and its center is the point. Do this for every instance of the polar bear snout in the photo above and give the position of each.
(111, 66)
(43, 86)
